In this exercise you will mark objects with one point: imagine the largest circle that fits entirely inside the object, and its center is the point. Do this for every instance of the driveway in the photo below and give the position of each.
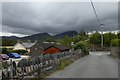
(95, 65)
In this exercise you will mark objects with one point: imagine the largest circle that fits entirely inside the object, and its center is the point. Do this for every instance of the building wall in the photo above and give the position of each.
(18, 46)
(51, 50)
(35, 50)
(28, 50)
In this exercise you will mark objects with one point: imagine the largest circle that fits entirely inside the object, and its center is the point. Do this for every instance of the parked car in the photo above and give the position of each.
(4, 57)
(14, 55)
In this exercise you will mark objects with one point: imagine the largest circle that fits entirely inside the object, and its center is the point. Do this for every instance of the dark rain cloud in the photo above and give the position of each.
(30, 18)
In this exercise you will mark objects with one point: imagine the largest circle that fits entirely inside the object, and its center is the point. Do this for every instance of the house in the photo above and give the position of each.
(36, 49)
(62, 48)
(23, 46)
(40, 48)
(51, 48)
(32, 48)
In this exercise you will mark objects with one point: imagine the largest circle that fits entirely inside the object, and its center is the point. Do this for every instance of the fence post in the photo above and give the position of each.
(14, 68)
(0, 70)
(11, 68)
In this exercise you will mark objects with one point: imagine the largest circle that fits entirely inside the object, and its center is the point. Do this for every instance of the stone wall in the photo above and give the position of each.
(115, 51)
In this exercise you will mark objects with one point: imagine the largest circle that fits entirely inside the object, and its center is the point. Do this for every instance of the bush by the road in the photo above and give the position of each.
(64, 63)
(83, 45)
(115, 42)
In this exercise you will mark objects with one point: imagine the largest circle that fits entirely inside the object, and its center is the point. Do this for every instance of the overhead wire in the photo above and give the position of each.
(95, 12)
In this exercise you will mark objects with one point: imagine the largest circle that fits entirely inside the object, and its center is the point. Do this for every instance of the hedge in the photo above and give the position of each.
(21, 52)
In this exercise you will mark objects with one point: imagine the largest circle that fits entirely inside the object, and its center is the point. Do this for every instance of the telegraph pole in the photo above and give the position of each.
(101, 25)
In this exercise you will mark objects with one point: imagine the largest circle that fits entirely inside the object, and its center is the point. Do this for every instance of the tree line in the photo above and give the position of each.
(81, 41)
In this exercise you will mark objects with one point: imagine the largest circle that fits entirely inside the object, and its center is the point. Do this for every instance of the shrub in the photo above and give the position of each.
(80, 45)
(115, 42)
(64, 63)
(83, 46)
(21, 52)
(4, 50)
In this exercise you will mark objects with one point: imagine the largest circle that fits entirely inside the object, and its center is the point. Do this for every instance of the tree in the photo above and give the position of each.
(66, 41)
(95, 38)
(4, 50)
(50, 39)
(0, 42)
(6, 42)
(80, 37)
(118, 35)
(108, 37)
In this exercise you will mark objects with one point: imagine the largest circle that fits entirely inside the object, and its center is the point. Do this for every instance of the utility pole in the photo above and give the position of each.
(101, 25)
(101, 36)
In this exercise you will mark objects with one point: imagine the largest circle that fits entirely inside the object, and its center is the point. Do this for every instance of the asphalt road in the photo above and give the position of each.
(95, 65)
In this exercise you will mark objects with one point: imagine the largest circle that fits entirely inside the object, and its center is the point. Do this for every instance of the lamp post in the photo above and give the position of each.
(101, 36)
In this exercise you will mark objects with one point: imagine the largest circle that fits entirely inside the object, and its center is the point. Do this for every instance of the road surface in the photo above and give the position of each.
(95, 65)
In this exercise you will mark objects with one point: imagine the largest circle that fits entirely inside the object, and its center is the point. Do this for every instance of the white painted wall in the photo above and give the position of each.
(28, 50)
(19, 46)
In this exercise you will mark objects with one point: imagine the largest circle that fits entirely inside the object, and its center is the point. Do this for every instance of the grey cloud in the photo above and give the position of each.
(31, 18)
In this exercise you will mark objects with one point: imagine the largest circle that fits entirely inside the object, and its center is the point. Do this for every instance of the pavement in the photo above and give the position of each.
(95, 65)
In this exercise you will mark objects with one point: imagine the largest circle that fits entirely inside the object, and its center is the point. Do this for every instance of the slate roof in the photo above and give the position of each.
(61, 47)
(47, 45)
(28, 45)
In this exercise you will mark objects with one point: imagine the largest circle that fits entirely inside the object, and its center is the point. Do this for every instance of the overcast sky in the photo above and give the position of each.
(27, 18)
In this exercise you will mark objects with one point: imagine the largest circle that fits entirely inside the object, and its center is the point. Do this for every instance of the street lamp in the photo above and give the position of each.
(101, 36)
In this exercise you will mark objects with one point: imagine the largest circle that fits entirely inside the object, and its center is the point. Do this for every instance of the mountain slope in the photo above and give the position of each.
(69, 33)
(10, 37)
(42, 36)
